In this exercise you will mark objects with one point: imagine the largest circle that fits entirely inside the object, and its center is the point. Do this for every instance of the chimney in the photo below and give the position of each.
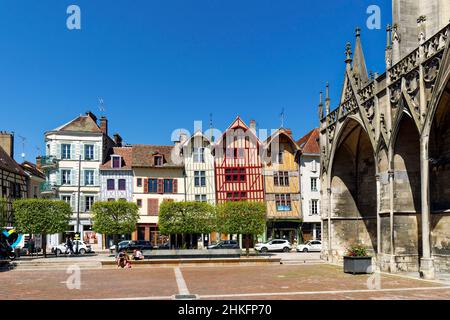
(7, 143)
(118, 140)
(253, 125)
(91, 115)
(289, 132)
(38, 162)
(104, 125)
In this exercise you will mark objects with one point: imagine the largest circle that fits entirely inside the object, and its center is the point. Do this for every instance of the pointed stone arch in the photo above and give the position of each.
(407, 191)
(353, 189)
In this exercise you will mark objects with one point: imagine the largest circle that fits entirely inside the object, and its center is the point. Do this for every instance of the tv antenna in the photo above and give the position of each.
(211, 137)
(23, 147)
(282, 118)
(101, 105)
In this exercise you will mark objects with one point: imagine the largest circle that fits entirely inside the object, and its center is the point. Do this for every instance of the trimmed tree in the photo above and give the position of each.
(114, 218)
(241, 217)
(186, 218)
(41, 216)
(3, 212)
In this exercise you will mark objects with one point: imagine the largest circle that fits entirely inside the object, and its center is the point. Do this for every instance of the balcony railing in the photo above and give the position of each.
(48, 162)
(46, 188)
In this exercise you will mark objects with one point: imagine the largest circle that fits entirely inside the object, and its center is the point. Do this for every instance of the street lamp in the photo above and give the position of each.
(78, 204)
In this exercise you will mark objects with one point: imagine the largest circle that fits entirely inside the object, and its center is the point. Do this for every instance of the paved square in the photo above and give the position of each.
(298, 282)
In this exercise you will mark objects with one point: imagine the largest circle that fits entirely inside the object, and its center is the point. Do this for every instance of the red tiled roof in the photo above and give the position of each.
(127, 159)
(83, 123)
(9, 164)
(32, 169)
(310, 142)
(144, 156)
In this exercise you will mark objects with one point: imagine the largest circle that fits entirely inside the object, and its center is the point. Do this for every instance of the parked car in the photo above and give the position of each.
(136, 245)
(225, 244)
(274, 245)
(309, 246)
(83, 248)
(112, 249)
(164, 246)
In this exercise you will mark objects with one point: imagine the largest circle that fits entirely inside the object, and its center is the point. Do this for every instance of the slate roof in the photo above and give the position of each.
(143, 156)
(9, 164)
(310, 142)
(127, 159)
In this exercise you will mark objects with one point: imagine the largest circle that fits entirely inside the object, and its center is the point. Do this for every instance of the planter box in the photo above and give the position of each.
(192, 253)
(358, 265)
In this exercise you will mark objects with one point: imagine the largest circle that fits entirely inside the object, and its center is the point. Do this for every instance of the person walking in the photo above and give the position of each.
(69, 245)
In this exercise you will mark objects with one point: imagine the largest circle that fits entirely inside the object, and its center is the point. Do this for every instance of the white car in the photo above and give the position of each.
(274, 245)
(82, 248)
(309, 246)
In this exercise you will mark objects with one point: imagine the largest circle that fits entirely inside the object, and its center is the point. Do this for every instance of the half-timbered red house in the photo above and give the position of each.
(238, 165)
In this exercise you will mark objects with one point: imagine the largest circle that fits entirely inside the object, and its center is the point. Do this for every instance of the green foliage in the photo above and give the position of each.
(186, 217)
(114, 217)
(357, 250)
(241, 217)
(3, 212)
(41, 216)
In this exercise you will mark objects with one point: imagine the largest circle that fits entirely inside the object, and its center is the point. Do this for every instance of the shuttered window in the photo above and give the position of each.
(122, 184)
(152, 207)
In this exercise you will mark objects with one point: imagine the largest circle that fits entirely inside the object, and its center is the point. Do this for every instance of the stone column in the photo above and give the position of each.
(392, 265)
(330, 248)
(377, 177)
(426, 261)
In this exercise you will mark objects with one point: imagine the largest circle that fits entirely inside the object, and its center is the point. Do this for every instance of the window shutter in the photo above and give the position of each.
(58, 178)
(83, 178)
(310, 207)
(96, 176)
(152, 207)
(83, 151)
(82, 204)
(73, 202)
(97, 152)
(73, 151)
(145, 182)
(160, 186)
(72, 178)
(175, 186)
(59, 151)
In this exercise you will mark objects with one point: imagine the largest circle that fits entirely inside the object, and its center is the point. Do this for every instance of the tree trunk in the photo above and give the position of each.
(116, 243)
(247, 245)
(44, 245)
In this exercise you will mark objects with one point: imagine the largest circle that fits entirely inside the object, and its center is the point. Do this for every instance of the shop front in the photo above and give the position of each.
(284, 229)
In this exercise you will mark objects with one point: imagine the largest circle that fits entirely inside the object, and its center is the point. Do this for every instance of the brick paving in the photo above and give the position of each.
(218, 282)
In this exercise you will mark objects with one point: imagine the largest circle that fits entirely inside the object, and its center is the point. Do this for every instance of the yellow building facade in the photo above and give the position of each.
(282, 186)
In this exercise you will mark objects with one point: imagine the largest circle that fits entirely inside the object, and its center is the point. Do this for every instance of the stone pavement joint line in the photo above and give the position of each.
(263, 294)
(182, 287)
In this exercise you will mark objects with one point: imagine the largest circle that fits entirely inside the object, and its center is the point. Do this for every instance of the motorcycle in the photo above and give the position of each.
(6, 251)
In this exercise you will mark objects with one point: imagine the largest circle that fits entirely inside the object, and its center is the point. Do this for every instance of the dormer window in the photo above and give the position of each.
(116, 162)
(158, 161)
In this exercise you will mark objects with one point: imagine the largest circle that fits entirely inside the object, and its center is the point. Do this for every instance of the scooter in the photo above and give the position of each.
(6, 251)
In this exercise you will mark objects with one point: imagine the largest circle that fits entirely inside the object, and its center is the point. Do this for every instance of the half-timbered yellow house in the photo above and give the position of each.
(282, 190)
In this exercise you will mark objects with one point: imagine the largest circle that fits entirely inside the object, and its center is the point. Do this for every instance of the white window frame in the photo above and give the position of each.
(91, 156)
(91, 181)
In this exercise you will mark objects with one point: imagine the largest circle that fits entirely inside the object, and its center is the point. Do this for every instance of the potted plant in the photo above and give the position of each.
(357, 260)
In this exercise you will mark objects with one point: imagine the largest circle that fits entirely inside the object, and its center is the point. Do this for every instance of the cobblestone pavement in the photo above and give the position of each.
(308, 281)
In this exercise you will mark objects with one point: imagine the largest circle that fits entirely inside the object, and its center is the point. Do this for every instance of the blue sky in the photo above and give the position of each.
(160, 65)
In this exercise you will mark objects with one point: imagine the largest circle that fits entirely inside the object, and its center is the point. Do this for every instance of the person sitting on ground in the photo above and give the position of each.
(123, 260)
(137, 255)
